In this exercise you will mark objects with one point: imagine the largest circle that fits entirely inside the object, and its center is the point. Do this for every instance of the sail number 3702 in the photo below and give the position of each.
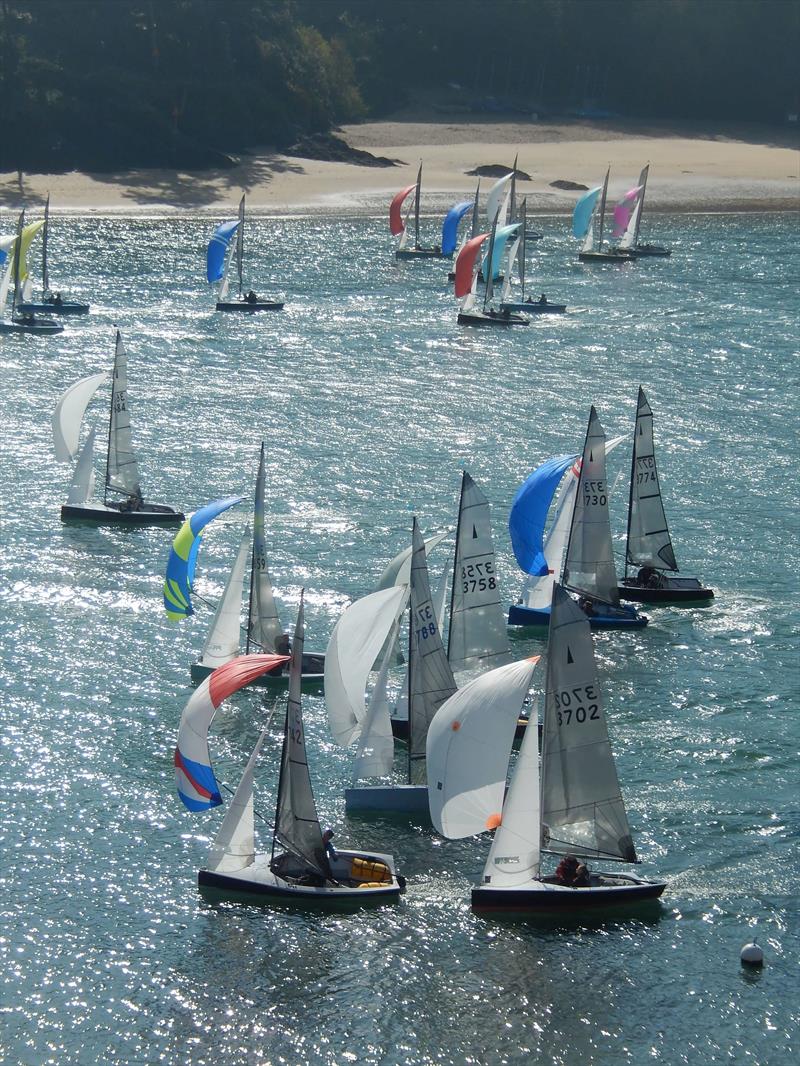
(573, 705)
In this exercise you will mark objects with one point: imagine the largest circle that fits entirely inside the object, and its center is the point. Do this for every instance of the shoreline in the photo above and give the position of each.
(691, 172)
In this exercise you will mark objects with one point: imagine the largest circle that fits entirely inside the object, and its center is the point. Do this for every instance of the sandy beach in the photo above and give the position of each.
(692, 169)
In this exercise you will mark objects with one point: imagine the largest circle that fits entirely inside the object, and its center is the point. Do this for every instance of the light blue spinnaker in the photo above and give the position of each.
(528, 515)
(217, 251)
(183, 558)
(450, 226)
(582, 215)
(500, 241)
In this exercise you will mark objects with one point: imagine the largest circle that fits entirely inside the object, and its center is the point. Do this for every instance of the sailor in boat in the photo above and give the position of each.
(572, 873)
(543, 298)
(251, 297)
(649, 577)
(283, 646)
(134, 502)
(327, 837)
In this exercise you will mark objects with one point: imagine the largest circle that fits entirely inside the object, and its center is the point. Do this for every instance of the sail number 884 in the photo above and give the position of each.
(573, 705)
(478, 577)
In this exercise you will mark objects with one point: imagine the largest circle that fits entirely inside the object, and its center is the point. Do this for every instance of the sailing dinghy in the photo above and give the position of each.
(51, 303)
(588, 569)
(540, 306)
(264, 630)
(301, 868)
(583, 219)
(123, 503)
(643, 251)
(649, 548)
(15, 277)
(398, 225)
(574, 808)
(365, 628)
(467, 269)
(221, 249)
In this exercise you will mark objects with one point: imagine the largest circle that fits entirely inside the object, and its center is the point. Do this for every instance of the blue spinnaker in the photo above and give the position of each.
(529, 513)
(500, 240)
(450, 226)
(218, 249)
(582, 214)
(183, 558)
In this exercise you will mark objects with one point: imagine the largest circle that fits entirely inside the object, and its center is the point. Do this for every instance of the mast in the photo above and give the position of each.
(455, 562)
(17, 254)
(643, 182)
(488, 281)
(523, 214)
(240, 242)
(253, 566)
(475, 210)
(45, 278)
(603, 211)
(416, 207)
(512, 199)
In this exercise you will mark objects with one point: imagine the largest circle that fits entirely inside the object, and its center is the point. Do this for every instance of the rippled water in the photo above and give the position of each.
(370, 400)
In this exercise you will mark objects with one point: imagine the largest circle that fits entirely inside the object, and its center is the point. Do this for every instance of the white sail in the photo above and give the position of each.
(264, 624)
(398, 571)
(430, 679)
(494, 208)
(516, 848)
(628, 238)
(439, 600)
(354, 646)
(222, 642)
(643, 176)
(240, 243)
(468, 747)
(511, 258)
(375, 751)
(234, 846)
(478, 633)
(582, 808)
(649, 542)
(539, 589)
(69, 413)
(122, 474)
(5, 283)
(589, 564)
(588, 241)
(82, 487)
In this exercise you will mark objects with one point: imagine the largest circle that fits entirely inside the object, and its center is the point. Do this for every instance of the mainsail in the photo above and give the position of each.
(649, 542)
(589, 565)
(478, 634)
(122, 472)
(264, 624)
(297, 829)
(430, 679)
(583, 812)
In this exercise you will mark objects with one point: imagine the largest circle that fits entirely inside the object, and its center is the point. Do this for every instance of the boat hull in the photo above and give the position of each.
(387, 799)
(150, 514)
(673, 591)
(491, 318)
(249, 307)
(312, 678)
(618, 618)
(51, 307)
(643, 251)
(534, 307)
(421, 253)
(258, 884)
(43, 329)
(606, 257)
(546, 899)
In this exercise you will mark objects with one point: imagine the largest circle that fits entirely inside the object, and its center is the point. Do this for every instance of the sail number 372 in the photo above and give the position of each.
(575, 705)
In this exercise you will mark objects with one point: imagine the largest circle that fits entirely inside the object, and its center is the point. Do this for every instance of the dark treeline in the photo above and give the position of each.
(96, 84)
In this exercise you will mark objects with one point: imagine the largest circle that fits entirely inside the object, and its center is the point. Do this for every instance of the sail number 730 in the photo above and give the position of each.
(577, 705)
(594, 492)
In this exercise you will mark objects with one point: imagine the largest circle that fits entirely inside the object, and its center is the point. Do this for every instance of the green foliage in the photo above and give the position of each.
(96, 84)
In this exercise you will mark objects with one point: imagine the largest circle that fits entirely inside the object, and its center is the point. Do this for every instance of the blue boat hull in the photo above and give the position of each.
(535, 307)
(52, 307)
(250, 306)
(621, 618)
(44, 329)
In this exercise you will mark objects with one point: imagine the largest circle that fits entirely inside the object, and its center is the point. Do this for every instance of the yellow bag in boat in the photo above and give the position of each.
(371, 884)
(372, 871)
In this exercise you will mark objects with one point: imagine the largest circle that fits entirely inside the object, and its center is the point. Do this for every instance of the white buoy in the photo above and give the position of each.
(752, 954)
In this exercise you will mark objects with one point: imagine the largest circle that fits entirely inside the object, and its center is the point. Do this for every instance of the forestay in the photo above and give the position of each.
(430, 679)
(478, 635)
(589, 565)
(122, 473)
(297, 828)
(582, 808)
(468, 747)
(649, 542)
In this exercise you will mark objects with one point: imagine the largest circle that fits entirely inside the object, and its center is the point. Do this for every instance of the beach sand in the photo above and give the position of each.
(691, 169)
